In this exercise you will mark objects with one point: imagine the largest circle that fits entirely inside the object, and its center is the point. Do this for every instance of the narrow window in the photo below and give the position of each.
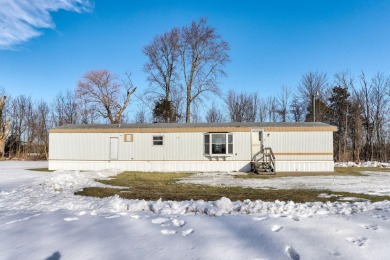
(230, 143)
(158, 140)
(206, 144)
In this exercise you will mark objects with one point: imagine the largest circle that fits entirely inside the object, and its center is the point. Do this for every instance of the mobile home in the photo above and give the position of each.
(197, 147)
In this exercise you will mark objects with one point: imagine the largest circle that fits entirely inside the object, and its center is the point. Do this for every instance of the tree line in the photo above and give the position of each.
(184, 66)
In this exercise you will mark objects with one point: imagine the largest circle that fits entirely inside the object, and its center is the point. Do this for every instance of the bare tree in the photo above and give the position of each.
(356, 127)
(140, 116)
(41, 145)
(178, 99)
(5, 123)
(297, 110)
(283, 101)
(65, 109)
(87, 114)
(214, 114)
(252, 107)
(381, 110)
(163, 58)
(365, 103)
(23, 118)
(263, 108)
(242, 107)
(203, 56)
(312, 88)
(195, 114)
(272, 109)
(101, 91)
(162, 70)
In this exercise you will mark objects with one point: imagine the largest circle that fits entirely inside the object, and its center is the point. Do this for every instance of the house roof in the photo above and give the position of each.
(194, 127)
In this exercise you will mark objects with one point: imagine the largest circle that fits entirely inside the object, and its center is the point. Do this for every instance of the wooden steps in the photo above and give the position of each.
(263, 168)
(266, 164)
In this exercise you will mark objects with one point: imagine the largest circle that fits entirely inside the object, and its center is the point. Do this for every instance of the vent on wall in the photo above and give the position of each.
(128, 137)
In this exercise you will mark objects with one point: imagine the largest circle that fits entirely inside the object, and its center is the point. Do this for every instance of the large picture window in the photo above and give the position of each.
(218, 143)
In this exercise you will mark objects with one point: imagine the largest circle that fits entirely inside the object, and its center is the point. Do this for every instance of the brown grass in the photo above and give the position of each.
(40, 170)
(338, 171)
(153, 186)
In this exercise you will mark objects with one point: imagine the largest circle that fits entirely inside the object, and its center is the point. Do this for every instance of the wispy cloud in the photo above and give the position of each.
(21, 20)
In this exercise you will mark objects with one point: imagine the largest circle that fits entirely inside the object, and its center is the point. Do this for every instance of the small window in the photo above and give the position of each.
(128, 137)
(158, 140)
(260, 136)
(230, 144)
(207, 144)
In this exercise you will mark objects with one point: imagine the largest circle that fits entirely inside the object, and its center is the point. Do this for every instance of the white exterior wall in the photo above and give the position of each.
(153, 166)
(176, 147)
(294, 151)
(304, 166)
(300, 146)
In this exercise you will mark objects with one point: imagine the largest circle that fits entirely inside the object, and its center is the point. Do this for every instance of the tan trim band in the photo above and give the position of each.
(193, 130)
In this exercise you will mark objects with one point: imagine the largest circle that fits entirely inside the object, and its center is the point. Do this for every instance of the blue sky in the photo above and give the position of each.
(273, 43)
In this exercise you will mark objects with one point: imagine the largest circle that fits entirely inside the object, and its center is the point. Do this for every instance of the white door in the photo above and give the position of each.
(113, 148)
(256, 141)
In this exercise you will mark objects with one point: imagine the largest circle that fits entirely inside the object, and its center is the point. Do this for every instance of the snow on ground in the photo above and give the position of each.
(375, 183)
(40, 218)
(362, 164)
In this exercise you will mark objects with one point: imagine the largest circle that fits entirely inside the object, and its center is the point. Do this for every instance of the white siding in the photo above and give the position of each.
(153, 166)
(300, 146)
(299, 142)
(176, 147)
(305, 166)
(295, 151)
(188, 166)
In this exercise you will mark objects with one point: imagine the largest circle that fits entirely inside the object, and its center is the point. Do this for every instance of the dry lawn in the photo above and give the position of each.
(155, 185)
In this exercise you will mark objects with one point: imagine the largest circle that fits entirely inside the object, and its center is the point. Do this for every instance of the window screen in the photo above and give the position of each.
(158, 140)
(207, 144)
(218, 143)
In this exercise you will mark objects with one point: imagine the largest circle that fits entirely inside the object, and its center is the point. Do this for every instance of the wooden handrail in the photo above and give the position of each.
(269, 149)
(268, 153)
(267, 159)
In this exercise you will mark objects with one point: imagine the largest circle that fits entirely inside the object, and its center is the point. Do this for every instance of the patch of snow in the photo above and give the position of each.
(260, 218)
(40, 217)
(187, 232)
(168, 231)
(276, 228)
(362, 164)
(375, 183)
(71, 219)
(160, 221)
(178, 222)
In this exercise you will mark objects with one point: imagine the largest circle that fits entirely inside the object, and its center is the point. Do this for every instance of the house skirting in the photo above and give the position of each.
(188, 166)
(304, 166)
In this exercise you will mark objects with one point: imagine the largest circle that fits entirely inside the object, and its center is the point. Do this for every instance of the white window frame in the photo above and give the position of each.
(157, 142)
(208, 147)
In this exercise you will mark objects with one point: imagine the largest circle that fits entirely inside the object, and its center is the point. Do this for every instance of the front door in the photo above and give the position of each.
(113, 148)
(257, 142)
